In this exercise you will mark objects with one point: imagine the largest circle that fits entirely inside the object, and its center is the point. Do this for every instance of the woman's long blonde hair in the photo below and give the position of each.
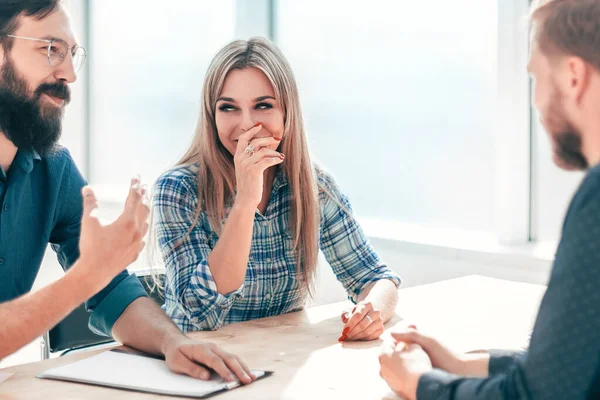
(216, 174)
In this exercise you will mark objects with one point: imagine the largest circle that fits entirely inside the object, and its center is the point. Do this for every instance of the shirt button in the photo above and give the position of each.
(266, 223)
(1, 261)
(6, 207)
(268, 296)
(268, 260)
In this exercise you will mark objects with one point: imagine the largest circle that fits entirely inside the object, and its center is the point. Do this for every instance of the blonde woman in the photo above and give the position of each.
(240, 220)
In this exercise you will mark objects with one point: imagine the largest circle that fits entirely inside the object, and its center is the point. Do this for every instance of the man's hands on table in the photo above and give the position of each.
(410, 354)
(190, 357)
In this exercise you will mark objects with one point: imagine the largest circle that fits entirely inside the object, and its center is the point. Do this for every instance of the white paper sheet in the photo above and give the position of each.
(128, 371)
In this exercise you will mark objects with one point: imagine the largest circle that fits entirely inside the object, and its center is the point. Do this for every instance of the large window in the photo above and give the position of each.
(148, 59)
(419, 109)
(399, 99)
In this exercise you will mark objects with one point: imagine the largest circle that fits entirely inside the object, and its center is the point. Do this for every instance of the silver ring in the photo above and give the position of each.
(249, 150)
(370, 320)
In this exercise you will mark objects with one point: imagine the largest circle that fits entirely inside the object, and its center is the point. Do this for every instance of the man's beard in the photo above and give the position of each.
(565, 136)
(24, 120)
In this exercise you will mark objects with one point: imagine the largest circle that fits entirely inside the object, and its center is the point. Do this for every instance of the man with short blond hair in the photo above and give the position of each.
(563, 360)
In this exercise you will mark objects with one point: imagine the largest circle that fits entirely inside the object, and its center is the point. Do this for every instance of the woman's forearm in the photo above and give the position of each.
(229, 259)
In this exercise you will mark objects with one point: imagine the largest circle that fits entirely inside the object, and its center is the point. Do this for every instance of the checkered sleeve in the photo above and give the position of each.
(344, 244)
(185, 255)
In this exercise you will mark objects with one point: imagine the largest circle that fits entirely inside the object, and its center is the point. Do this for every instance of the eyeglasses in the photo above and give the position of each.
(58, 50)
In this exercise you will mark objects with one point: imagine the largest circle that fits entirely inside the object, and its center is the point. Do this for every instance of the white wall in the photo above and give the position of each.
(421, 264)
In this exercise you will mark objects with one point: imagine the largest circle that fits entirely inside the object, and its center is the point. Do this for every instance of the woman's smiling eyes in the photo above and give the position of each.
(226, 107)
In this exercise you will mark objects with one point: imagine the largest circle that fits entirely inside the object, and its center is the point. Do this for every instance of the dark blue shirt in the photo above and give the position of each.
(40, 203)
(563, 361)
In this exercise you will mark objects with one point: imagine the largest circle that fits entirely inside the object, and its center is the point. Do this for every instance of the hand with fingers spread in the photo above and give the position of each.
(189, 357)
(106, 250)
(252, 157)
(443, 357)
(364, 322)
(402, 365)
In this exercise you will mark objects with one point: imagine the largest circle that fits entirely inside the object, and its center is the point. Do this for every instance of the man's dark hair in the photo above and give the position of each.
(10, 10)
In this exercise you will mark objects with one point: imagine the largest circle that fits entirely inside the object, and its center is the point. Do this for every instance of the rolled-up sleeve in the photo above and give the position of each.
(108, 305)
(185, 256)
(344, 244)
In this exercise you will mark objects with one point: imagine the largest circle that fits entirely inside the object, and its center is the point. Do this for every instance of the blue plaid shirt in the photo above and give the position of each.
(271, 283)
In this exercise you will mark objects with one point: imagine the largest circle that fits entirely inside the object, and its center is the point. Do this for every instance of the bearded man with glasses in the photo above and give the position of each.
(41, 203)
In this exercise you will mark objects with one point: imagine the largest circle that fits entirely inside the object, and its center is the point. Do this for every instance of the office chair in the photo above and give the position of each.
(73, 333)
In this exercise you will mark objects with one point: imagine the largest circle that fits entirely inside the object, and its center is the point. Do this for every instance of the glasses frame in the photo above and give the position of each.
(71, 50)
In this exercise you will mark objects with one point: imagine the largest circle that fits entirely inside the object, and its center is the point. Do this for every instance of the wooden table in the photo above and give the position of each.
(467, 313)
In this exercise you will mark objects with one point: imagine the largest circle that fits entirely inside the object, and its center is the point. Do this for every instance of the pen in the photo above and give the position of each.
(232, 385)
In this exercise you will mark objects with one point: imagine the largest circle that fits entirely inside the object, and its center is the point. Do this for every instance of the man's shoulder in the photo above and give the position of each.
(58, 157)
(60, 171)
(56, 165)
(588, 191)
(582, 220)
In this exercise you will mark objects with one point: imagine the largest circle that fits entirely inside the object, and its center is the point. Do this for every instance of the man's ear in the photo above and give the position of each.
(578, 74)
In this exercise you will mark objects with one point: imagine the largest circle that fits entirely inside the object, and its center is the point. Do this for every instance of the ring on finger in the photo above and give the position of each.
(369, 318)
(249, 150)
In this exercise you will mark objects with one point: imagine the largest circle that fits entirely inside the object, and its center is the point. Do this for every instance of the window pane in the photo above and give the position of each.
(148, 61)
(399, 98)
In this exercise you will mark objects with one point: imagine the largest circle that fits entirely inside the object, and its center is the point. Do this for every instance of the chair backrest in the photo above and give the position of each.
(73, 332)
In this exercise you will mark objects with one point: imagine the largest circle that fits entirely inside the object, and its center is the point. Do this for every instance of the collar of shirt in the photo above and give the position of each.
(279, 180)
(24, 159)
